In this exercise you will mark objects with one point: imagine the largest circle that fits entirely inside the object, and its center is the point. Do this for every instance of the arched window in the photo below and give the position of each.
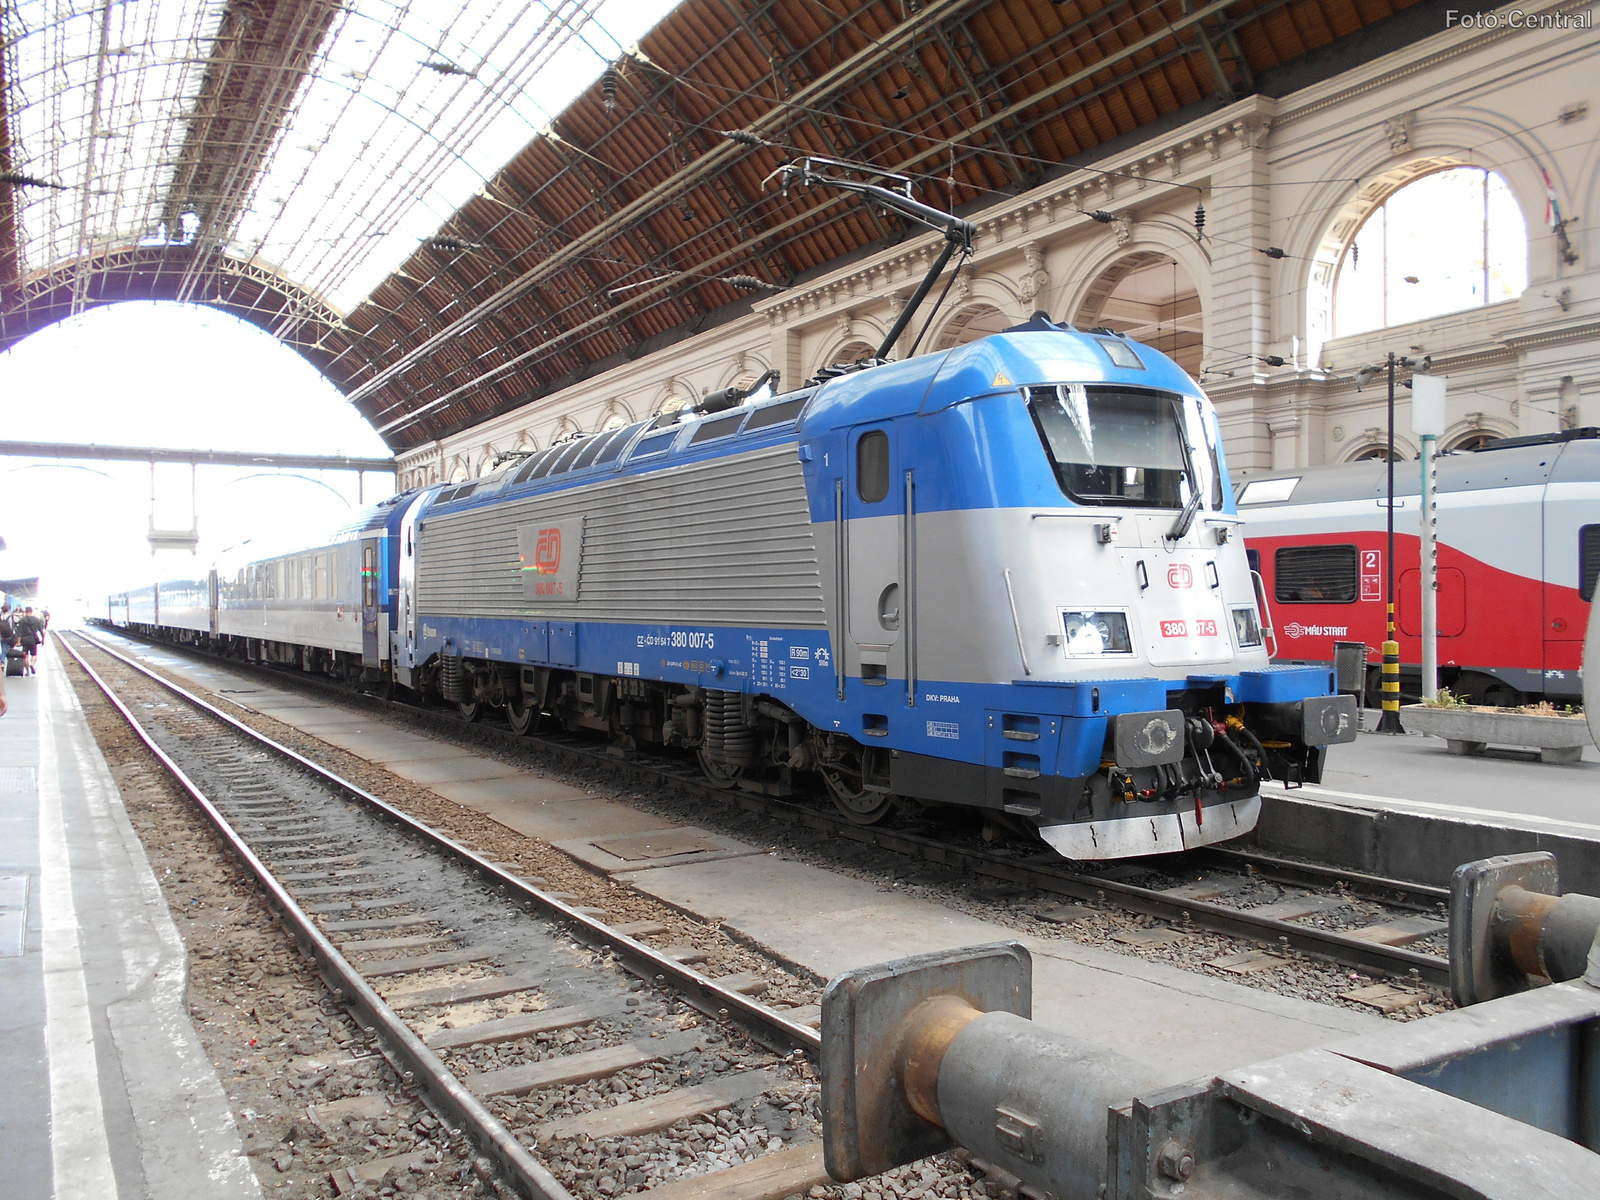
(980, 320)
(1476, 440)
(1150, 298)
(1380, 452)
(1451, 241)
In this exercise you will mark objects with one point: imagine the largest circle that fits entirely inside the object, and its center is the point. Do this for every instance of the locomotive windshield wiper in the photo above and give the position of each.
(1186, 518)
(958, 234)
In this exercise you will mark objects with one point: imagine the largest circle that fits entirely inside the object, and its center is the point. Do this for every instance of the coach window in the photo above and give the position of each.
(1588, 561)
(872, 466)
(1315, 575)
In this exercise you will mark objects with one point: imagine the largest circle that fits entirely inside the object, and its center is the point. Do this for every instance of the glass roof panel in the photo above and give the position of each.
(96, 97)
(408, 108)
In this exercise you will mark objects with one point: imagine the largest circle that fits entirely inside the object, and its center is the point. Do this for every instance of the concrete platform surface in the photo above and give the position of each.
(828, 922)
(1415, 773)
(109, 1092)
(1172, 1019)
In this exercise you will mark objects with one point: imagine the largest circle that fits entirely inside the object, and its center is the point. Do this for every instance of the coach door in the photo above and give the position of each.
(875, 606)
(213, 599)
(371, 648)
(406, 594)
(1571, 564)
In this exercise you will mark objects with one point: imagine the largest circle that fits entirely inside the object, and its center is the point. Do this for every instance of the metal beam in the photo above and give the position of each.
(844, 76)
(202, 458)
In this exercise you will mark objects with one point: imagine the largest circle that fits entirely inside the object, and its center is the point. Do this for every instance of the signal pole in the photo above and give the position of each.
(1428, 422)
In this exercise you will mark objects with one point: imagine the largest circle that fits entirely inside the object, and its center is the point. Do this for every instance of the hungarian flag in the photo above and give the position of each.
(1552, 208)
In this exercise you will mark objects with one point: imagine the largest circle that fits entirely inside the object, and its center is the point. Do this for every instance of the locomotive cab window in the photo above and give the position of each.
(872, 466)
(1315, 575)
(1120, 446)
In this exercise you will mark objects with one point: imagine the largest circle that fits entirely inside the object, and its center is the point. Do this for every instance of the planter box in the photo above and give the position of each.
(1469, 730)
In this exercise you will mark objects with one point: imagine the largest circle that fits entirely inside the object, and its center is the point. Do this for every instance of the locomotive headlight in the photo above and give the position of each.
(1096, 632)
(1247, 626)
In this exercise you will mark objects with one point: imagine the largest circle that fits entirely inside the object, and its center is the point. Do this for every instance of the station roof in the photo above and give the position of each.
(454, 208)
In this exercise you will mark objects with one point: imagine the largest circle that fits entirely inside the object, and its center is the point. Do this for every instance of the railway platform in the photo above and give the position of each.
(822, 921)
(109, 1092)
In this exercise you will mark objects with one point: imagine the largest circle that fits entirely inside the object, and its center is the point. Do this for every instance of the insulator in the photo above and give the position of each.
(1199, 219)
(1273, 360)
(1274, 252)
(1103, 216)
(748, 283)
(744, 137)
(608, 88)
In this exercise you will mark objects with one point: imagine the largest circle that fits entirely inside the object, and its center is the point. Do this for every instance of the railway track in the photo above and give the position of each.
(1369, 923)
(497, 1000)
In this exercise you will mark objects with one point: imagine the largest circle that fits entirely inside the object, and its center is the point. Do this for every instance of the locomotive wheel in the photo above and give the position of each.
(522, 717)
(847, 783)
(720, 774)
(469, 710)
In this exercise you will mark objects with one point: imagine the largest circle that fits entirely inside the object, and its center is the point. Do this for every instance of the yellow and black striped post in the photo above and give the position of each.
(1389, 722)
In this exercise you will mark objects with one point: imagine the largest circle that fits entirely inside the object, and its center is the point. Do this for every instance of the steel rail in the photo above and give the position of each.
(411, 1057)
(1423, 895)
(766, 1024)
(1326, 944)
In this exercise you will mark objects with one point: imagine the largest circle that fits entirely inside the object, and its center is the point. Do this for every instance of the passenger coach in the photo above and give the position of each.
(1519, 553)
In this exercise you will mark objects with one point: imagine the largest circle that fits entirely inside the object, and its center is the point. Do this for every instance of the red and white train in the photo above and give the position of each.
(1519, 551)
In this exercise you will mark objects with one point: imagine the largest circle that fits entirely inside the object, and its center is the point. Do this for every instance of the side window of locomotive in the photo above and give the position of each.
(718, 428)
(1113, 446)
(590, 452)
(1588, 561)
(650, 444)
(569, 453)
(618, 443)
(872, 466)
(1315, 575)
(526, 469)
(775, 414)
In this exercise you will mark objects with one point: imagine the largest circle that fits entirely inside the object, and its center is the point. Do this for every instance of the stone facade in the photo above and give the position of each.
(1297, 173)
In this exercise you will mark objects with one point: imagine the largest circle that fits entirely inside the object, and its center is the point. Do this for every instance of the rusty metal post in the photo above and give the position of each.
(936, 1049)
(1510, 926)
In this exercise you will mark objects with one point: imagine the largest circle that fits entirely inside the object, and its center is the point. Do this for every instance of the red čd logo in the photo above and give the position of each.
(1180, 576)
(547, 554)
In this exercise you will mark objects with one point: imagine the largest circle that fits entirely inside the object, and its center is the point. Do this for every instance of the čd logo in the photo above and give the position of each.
(547, 553)
(1180, 576)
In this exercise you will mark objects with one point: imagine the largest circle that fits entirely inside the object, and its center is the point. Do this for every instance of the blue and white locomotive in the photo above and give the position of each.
(1006, 576)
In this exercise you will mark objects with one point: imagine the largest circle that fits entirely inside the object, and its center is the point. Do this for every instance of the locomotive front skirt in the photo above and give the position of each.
(1006, 576)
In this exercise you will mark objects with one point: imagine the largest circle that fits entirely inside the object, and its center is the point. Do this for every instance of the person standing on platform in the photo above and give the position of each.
(8, 637)
(29, 630)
